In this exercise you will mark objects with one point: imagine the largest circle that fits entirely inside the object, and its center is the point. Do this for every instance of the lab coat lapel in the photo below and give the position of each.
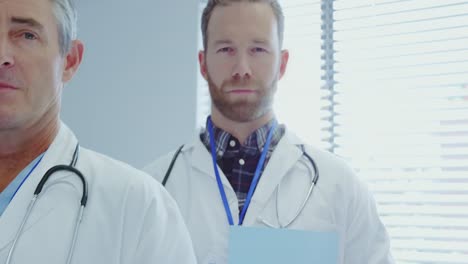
(202, 161)
(60, 152)
(284, 157)
(203, 166)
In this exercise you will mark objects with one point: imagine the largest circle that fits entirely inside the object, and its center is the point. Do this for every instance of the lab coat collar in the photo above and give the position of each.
(200, 154)
(202, 161)
(59, 152)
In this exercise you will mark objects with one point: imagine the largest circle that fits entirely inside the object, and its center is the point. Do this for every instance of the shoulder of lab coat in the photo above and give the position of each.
(152, 227)
(366, 239)
(158, 168)
(365, 231)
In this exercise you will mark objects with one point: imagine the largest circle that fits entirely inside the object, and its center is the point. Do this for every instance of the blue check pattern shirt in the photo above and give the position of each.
(239, 161)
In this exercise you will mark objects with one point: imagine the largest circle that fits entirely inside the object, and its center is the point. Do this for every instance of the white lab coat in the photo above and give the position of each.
(129, 218)
(339, 202)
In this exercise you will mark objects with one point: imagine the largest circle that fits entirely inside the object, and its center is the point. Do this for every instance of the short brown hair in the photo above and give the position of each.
(211, 4)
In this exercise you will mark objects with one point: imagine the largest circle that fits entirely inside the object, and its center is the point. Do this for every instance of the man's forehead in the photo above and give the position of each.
(33, 14)
(245, 29)
(26, 9)
(246, 17)
(259, 11)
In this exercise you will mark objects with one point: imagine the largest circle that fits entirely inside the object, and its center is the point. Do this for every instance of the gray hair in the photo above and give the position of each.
(211, 4)
(66, 17)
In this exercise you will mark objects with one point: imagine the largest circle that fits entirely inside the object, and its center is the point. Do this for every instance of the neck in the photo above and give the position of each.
(240, 130)
(18, 147)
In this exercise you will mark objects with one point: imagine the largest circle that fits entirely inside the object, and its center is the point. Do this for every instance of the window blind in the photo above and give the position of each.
(395, 104)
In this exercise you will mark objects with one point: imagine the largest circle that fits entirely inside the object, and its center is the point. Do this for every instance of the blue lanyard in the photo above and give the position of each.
(255, 178)
(27, 176)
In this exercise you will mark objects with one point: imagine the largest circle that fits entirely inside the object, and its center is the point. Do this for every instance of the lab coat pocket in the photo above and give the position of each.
(314, 216)
(301, 223)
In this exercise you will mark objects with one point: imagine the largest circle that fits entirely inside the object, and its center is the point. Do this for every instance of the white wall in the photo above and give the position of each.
(134, 97)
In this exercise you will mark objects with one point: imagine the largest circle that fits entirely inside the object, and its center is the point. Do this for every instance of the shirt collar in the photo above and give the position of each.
(9, 192)
(258, 137)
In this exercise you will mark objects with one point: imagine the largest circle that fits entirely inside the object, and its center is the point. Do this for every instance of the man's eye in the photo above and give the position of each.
(29, 36)
(257, 49)
(226, 49)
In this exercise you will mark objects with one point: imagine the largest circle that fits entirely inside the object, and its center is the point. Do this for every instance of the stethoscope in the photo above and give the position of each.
(84, 199)
(313, 182)
(314, 176)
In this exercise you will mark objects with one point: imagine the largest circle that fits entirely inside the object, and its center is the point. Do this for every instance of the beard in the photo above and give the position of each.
(242, 109)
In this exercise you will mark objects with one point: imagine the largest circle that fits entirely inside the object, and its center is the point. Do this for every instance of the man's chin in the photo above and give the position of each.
(241, 114)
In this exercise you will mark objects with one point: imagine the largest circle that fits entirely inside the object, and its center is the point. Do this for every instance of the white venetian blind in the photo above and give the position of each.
(297, 102)
(396, 98)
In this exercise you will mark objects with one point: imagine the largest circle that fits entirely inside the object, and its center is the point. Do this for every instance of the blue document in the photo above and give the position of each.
(251, 245)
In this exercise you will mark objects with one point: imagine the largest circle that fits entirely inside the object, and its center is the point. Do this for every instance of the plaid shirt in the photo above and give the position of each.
(239, 162)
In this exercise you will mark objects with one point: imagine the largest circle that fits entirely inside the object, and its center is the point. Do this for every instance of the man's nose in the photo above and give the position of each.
(6, 54)
(242, 70)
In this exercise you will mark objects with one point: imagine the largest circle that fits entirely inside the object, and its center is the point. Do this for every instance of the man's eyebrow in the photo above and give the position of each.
(27, 21)
(260, 41)
(222, 41)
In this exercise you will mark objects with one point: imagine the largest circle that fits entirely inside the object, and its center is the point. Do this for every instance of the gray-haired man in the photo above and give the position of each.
(128, 217)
